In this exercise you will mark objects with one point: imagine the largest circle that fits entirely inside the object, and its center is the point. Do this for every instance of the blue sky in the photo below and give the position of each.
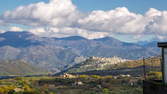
(137, 6)
(138, 12)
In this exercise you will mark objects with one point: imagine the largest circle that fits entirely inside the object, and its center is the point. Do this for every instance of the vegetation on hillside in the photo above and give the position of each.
(56, 53)
(19, 67)
(133, 67)
(78, 84)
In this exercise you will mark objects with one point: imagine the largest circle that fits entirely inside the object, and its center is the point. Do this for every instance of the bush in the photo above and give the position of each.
(106, 91)
(155, 75)
(6, 89)
(108, 77)
(83, 76)
(95, 76)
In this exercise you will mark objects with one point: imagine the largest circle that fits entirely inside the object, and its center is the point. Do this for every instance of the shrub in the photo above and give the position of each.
(155, 75)
(108, 77)
(106, 91)
(83, 76)
(6, 89)
(95, 76)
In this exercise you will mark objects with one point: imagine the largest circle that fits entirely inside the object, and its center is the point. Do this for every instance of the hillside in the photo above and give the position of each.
(19, 68)
(96, 63)
(114, 66)
(55, 54)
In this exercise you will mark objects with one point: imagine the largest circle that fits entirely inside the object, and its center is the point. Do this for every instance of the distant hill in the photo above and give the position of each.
(96, 63)
(114, 66)
(55, 54)
(18, 39)
(19, 67)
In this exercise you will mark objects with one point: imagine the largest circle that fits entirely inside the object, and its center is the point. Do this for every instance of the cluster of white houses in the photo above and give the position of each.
(113, 60)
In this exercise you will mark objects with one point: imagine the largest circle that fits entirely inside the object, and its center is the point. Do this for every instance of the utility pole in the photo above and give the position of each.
(152, 65)
(144, 69)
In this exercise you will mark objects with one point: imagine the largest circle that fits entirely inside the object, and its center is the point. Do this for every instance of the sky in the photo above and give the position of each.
(126, 20)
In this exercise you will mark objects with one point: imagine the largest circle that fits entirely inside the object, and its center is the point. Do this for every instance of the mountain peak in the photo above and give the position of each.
(18, 39)
(72, 38)
(106, 38)
(109, 40)
(16, 34)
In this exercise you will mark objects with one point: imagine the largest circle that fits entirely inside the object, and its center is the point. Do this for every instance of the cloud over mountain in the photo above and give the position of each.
(59, 18)
(14, 28)
(53, 13)
(119, 20)
(68, 31)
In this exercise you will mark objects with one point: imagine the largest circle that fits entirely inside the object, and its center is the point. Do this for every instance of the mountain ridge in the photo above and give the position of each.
(55, 54)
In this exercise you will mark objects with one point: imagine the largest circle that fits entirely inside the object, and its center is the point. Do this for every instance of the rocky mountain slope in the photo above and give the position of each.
(55, 54)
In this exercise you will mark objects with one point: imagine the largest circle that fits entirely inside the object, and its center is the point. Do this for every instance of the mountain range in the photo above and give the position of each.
(56, 54)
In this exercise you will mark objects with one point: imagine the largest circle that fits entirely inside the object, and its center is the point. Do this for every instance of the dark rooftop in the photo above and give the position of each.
(162, 44)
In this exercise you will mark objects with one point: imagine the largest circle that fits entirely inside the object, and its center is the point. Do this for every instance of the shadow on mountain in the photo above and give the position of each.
(18, 39)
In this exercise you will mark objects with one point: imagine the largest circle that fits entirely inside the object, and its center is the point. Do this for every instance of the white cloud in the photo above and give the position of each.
(14, 28)
(66, 32)
(60, 18)
(122, 21)
(2, 23)
(119, 20)
(2, 31)
(54, 13)
(158, 23)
